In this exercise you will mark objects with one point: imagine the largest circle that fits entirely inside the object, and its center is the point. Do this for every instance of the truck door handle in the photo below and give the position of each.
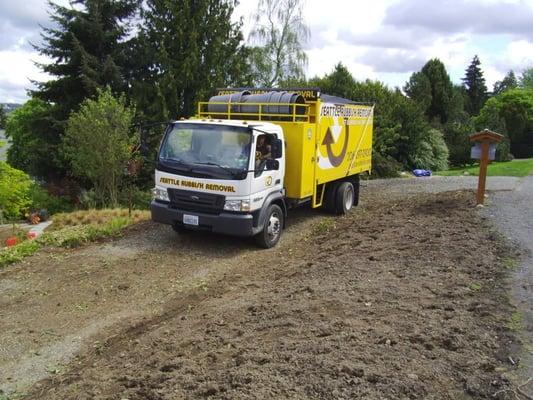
(277, 181)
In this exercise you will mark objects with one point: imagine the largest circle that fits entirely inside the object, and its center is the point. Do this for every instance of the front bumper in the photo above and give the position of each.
(225, 222)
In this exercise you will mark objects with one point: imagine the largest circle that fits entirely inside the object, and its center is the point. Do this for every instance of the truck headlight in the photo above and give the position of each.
(237, 205)
(159, 193)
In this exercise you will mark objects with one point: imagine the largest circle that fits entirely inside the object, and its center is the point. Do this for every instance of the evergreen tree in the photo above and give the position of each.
(88, 50)
(508, 82)
(185, 49)
(441, 91)
(476, 90)
(433, 91)
(87, 46)
(419, 89)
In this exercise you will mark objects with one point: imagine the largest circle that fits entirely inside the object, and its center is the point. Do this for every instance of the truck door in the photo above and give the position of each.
(265, 181)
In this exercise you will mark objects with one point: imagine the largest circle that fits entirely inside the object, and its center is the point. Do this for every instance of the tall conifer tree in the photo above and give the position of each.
(476, 89)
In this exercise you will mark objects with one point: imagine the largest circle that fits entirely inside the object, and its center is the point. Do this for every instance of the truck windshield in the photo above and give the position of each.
(215, 151)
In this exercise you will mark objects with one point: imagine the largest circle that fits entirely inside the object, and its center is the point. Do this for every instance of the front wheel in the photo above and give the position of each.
(272, 227)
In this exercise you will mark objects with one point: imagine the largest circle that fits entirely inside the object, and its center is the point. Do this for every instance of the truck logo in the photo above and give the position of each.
(330, 139)
(268, 181)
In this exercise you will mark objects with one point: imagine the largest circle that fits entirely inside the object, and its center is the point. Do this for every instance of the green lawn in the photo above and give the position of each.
(521, 167)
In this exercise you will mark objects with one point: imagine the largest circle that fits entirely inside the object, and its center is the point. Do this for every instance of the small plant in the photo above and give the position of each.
(516, 321)
(324, 226)
(510, 263)
(475, 286)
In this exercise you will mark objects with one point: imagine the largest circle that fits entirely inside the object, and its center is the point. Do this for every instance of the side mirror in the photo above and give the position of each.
(276, 149)
(272, 165)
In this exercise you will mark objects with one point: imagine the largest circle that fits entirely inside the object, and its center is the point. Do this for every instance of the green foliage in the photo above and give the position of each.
(456, 136)
(441, 90)
(71, 236)
(508, 82)
(98, 143)
(40, 198)
(278, 36)
(87, 49)
(184, 50)
(526, 80)
(339, 82)
(14, 188)
(476, 89)
(10, 255)
(32, 149)
(418, 88)
(511, 113)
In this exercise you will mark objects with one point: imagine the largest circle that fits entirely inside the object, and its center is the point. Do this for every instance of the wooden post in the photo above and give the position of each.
(484, 137)
(483, 164)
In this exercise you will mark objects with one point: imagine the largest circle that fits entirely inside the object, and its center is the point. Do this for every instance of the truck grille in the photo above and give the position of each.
(196, 201)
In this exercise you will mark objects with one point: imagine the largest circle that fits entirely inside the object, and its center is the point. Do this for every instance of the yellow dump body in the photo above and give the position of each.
(329, 140)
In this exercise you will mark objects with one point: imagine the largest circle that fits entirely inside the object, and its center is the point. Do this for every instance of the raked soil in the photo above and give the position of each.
(404, 298)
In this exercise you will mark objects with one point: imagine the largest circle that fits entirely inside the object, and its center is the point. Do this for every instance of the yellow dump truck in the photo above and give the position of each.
(252, 154)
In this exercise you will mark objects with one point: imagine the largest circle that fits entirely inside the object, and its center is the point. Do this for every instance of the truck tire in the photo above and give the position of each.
(329, 197)
(272, 227)
(344, 198)
(356, 185)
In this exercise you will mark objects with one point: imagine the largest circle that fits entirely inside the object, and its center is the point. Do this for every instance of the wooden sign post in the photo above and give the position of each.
(484, 139)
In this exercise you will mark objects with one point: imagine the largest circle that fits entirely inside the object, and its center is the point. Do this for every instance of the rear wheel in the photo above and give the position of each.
(272, 227)
(345, 198)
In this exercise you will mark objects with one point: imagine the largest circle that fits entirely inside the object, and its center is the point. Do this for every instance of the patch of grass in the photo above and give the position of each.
(475, 286)
(96, 217)
(516, 321)
(70, 236)
(519, 168)
(324, 226)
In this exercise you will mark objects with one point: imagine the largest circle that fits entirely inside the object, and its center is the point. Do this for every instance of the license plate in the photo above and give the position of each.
(190, 219)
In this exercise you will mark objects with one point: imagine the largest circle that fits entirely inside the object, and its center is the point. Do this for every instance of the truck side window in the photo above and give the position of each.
(262, 153)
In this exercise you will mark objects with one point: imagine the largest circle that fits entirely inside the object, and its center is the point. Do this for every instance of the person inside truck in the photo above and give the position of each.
(262, 150)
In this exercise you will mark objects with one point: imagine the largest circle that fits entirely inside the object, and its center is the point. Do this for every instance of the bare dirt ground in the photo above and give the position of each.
(404, 298)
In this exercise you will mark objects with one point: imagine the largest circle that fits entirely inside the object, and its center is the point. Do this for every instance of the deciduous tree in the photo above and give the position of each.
(98, 142)
(277, 41)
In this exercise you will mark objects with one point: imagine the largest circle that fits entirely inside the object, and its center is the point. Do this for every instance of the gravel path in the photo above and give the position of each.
(513, 212)
(437, 184)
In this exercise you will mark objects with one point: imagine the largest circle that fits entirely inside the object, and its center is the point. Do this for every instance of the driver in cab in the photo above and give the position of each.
(262, 151)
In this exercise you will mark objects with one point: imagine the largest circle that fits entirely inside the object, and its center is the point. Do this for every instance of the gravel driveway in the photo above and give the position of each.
(513, 213)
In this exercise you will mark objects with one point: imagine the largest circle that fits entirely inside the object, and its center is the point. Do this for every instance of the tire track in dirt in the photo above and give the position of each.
(394, 301)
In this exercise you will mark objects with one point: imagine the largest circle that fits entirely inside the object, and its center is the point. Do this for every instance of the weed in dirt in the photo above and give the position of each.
(324, 226)
(11, 396)
(510, 263)
(474, 286)
(81, 307)
(53, 369)
(516, 321)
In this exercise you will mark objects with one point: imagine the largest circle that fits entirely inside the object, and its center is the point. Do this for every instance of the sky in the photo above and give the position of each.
(386, 40)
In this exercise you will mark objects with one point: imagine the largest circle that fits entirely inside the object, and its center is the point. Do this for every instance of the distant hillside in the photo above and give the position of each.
(8, 107)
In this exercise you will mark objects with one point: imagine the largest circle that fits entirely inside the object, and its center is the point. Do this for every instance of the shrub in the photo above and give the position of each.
(14, 191)
(40, 199)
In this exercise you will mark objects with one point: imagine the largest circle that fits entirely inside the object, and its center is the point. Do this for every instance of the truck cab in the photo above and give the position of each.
(223, 176)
